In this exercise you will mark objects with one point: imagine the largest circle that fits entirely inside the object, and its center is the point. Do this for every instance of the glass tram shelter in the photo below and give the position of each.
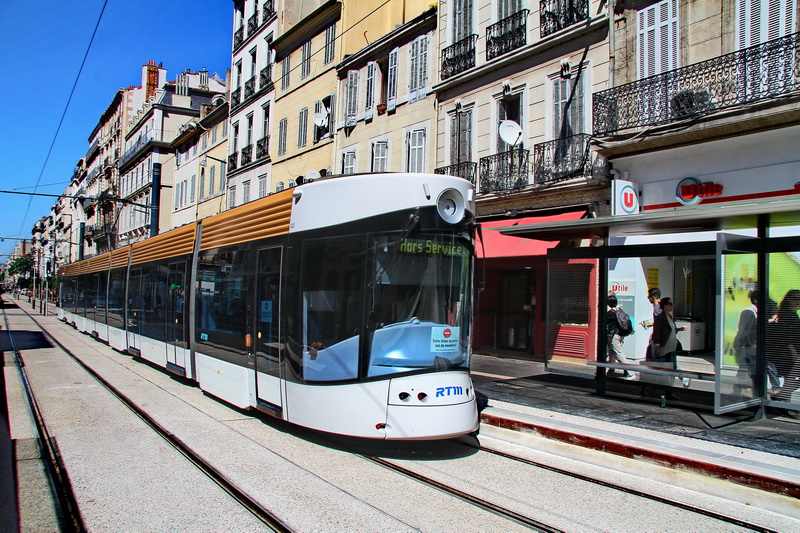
(708, 244)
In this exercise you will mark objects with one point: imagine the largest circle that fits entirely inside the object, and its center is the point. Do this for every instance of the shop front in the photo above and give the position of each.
(715, 228)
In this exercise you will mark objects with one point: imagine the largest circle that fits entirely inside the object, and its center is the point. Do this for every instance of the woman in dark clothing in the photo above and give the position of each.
(783, 344)
(665, 341)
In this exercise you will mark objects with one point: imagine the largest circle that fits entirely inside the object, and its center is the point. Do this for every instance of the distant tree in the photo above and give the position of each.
(20, 265)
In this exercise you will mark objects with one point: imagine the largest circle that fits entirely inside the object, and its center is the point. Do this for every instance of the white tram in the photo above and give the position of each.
(342, 305)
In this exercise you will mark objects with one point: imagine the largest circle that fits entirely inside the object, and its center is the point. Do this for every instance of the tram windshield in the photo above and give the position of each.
(413, 293)
(419, 304)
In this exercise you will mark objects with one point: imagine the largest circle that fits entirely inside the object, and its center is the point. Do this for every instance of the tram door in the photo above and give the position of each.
(267, 328)
(176, 314)
(134, 308)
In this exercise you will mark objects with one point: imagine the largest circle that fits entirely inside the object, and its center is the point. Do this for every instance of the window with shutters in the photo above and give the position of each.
(416, 151)
(330, 43)
(262, 186)
(369, 103)
(305, 66)
(351, 102)
(192, 185)
(462, 19)
(418, 69)
(302, 128)
(391, 83)
(380, 156)
(282, 132)
(349, 162)
(211, 178)
(759, 21)
(286, 68)
(657, 35)
(323, 114)
(231, 196)
(461, 136)
(506, 8)
(246, 191)
(235, 138)
(202, 184)
(568, 104)
(509, 108)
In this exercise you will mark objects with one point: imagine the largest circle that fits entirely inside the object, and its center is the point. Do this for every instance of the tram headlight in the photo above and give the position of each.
(451, 206)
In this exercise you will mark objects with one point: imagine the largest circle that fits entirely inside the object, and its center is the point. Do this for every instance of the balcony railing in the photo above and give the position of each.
(555, 15)
(265, 77)
(249, 88)
(236, 97)
(247, 155)
(136, 147)
(459, 57)
(233, 160)
(252, 24)
(466, 169)
(562, 159)
(768, 70)
(506, 171)
(268, 11)
(262, 147)
(507, 35)
(238, 37)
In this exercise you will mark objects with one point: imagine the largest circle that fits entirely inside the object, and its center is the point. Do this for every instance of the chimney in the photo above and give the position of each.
(150, 79)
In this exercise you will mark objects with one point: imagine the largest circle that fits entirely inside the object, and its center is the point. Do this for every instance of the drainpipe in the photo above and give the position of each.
(612, 44)
(155, 199)
(81, 235)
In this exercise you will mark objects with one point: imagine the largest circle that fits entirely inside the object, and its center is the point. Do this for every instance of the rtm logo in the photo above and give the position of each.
(449, 391)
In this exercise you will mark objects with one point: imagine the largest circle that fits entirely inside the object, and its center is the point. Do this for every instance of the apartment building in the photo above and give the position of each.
(514, 117)
(146, 167)
(387, 118)
(200, 164)
(249, 166)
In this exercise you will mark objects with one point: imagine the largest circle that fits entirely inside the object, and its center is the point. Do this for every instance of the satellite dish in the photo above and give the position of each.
(510, 132)
(311, 175)
(321, 119)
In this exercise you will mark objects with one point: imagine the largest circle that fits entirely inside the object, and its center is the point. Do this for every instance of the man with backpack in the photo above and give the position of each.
(618, 326)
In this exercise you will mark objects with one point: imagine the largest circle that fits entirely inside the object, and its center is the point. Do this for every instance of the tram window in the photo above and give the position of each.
(134, 300)
(222, 299)
(154, 301)
(419, 304)
(102, 284)
(332, 298)
(116, 299)
(80, 295)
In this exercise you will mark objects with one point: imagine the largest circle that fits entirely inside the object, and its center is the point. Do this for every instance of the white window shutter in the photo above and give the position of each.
(351, 107)
(658, 38)
(422, 68)
(391, 87)
(413, 74)
(370, 90)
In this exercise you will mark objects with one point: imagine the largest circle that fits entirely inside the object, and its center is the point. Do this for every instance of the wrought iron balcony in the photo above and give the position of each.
(555, 15)
(459, 57)
(268, 11)
(265, 78)
(252, 24)
(507, 35)
(238, 37)
(562, 159)
(768, 70)
(236, 97)
(506, 171)
(233, 160)
(262, 147)
(466, 169)
(247, 155)
(249, 88)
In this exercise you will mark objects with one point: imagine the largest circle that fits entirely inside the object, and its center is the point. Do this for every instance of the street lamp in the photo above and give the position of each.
(203, 161)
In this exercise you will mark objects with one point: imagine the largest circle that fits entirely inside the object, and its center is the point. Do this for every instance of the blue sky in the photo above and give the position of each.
(42, 45)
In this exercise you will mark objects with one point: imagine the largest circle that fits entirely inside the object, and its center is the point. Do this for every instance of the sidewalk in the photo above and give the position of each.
(519, 395)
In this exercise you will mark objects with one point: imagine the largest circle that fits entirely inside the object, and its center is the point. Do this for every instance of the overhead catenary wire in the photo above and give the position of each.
(64, 114)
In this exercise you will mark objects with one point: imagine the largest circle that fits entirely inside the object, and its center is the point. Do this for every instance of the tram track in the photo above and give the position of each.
(635, 492)
(67, 509)
(246, 501)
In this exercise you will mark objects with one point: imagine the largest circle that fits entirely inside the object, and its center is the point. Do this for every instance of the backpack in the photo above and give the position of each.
(624, 324)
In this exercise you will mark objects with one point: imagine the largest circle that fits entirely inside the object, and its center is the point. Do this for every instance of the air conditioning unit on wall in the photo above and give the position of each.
(688, 103)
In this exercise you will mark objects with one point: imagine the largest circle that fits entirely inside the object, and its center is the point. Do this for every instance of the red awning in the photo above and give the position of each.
(495, 244)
